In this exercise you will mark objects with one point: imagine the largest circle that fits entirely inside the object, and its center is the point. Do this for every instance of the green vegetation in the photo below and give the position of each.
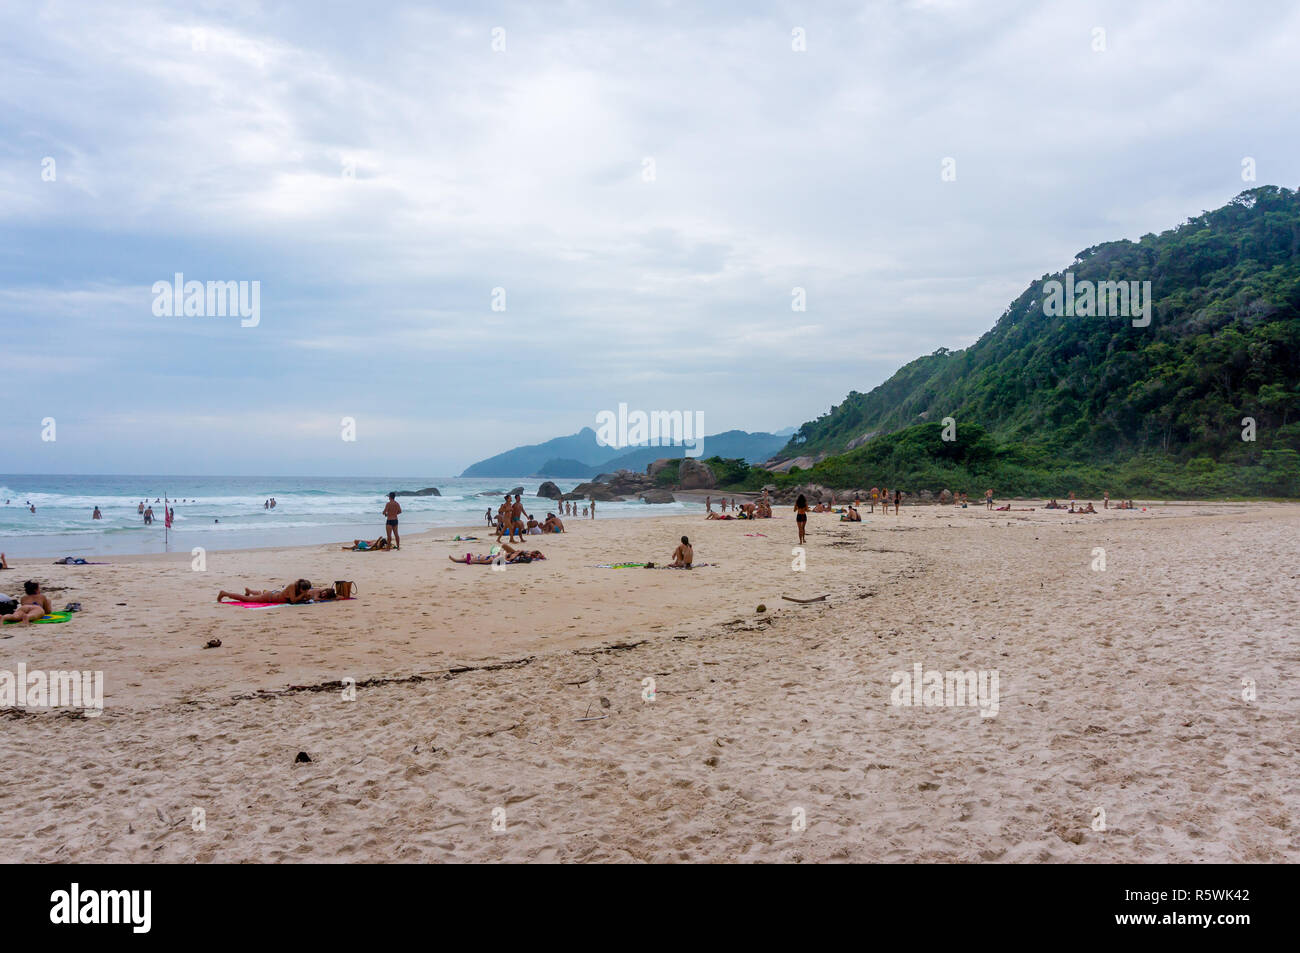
(1048, 404)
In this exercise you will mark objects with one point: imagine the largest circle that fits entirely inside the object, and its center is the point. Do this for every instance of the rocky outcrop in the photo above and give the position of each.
(695, 475)
(803, 463)
(814, 492)
(861, 439)
(549, 491)
(516, 491)
(427, 491)
(597, 491)
(658, 496)
(653, 468)
(945, 497)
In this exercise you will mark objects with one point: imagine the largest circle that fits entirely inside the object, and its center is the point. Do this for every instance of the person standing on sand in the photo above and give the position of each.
(801, 516)
(517, 517)
(503, 518)
(593, 507)
(1105, 500)
(391, 510)
(708, 504)
(988, 499)
(898, 498)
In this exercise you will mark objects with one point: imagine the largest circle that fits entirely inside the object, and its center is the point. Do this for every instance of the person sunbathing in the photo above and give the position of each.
(721, 516)
(366, 545)
(33, 605)
(852, 516)
(507, 554)
(683, 555)
(4, 563)
(322, 594)
(1089, 509)
(553, 524)
(292, 594)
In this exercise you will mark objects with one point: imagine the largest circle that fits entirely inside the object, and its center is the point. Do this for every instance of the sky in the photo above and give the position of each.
(477, 225)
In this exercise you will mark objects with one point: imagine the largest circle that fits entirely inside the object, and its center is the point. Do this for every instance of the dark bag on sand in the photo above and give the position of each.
(344, 589)
(7, 604)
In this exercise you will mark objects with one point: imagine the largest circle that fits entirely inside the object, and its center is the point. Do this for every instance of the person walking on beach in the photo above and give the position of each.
(593, 507)
(898, 498)
(801, 516)
(708, 504)
(988, 499)
(391, 510)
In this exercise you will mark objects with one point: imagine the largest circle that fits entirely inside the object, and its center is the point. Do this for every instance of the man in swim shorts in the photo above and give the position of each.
(391, 509)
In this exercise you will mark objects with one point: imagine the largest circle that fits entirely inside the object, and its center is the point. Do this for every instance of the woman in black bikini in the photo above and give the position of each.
(801, 515)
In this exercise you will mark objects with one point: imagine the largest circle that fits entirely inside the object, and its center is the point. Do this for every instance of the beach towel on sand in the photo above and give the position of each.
(277, 605)
(51, 619)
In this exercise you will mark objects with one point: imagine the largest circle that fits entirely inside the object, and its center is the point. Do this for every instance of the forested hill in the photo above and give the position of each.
(1223, 343)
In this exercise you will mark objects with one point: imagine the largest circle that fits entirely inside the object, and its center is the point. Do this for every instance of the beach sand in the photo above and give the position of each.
(1120, 691)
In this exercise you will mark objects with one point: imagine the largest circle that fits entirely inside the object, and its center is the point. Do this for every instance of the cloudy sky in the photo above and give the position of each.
(647, 182)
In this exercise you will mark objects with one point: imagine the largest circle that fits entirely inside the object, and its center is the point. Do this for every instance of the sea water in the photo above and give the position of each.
(228, 512)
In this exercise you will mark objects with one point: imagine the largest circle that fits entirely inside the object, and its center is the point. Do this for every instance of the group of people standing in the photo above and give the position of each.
(511, 518)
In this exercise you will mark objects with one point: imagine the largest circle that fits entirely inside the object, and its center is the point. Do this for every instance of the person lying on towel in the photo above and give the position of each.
(506, 553)
(33, 605)
(366, 545)
(292, 594)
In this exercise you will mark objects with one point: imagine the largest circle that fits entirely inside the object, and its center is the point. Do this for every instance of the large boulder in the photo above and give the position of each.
(588, 491)
(427, 491)
(658, 496)
(549, 491)
(517, 491)
(945, 496)
(695, 475)
(629, 483)
(653, 468)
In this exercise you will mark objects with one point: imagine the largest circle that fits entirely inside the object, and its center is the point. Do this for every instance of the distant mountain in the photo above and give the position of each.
(566, 470)
(580, 447)
(580, 455)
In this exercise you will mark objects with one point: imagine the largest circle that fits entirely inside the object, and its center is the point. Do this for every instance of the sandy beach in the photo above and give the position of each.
(503, 716)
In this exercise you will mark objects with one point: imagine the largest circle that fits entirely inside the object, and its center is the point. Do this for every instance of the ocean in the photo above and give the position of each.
(227, 512)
